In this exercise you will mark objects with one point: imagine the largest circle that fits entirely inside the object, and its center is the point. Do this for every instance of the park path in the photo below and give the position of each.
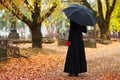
(101, 61)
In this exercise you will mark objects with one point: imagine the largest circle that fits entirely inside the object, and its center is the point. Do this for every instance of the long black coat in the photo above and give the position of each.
(75, 59)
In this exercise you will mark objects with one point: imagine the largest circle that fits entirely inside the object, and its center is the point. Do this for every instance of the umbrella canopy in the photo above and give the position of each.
(81, 15)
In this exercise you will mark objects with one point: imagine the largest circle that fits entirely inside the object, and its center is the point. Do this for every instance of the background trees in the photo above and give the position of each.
(34, 21)
(115, 18)
(103, 12)
(34, 12)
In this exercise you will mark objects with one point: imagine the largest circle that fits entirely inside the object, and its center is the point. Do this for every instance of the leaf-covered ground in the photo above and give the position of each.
(48, 63)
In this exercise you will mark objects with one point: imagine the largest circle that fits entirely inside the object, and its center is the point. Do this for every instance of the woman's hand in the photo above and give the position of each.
(68, 43)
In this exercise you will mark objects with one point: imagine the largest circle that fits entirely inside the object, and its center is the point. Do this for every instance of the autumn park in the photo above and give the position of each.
(38, 37)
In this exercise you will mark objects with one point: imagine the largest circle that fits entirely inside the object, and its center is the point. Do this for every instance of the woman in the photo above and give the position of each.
(75, 60)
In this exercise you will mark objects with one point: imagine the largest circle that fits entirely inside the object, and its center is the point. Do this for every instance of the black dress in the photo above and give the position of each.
(75, 59)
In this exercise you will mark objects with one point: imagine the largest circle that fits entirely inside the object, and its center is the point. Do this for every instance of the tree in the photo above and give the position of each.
(103, 17)
(34, 22)
(103, 10)
(115, 20)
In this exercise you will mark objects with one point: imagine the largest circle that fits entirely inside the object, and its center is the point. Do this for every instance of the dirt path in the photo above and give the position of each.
(102, 61)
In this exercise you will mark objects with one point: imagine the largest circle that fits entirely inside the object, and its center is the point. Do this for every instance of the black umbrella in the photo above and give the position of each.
(80, 14)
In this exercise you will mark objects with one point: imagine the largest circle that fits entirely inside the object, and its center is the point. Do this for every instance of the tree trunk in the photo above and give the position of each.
(118, 34)
(104, 31)
(36, 37)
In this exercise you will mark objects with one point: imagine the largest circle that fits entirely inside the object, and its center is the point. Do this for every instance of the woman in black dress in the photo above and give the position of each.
(75, 60)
